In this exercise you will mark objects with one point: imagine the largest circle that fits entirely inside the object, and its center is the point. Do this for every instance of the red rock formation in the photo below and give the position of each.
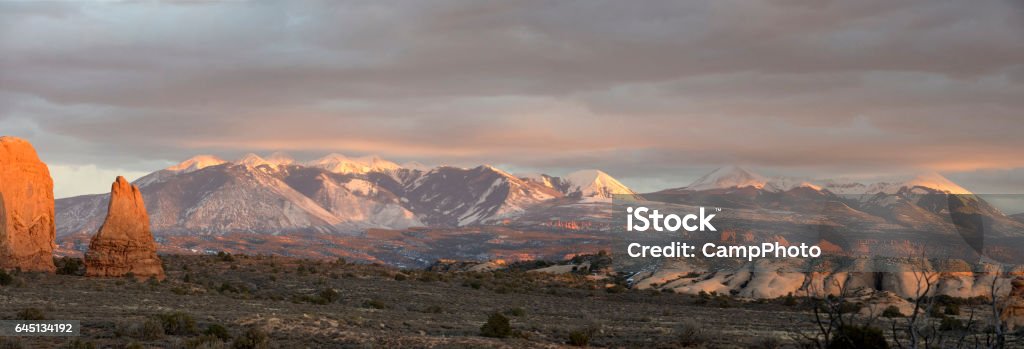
(1014, 312)
(26, 208)
(124, 243)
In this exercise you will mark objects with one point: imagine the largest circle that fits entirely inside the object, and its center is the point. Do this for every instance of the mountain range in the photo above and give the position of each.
(339, 194)
(335, 194)
(373, 209)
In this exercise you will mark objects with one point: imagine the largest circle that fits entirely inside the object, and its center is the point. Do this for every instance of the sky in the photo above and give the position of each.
(655, 93)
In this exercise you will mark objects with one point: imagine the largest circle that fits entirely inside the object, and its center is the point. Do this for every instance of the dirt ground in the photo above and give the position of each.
(275, 302)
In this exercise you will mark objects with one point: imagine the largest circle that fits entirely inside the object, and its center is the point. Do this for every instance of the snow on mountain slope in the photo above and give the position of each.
(279, 159)
(80, 214)
(196, 163)
(214, 200)
(456, 196)
(338, 163)
(357, 202)
(415, 165)
(737, 177)
(252, 160)
(937, 182)
(193, 164)
(590, 185)
(932, 181)
(728, 177)
(790, 183)
(595, 184)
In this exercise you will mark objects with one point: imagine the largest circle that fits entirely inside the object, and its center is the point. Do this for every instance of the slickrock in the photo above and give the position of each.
(124, 244)
(26, 208)
(1014, 312)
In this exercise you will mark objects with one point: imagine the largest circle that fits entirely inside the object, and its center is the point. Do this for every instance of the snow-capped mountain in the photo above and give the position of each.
(357, 202)
(252, 160)
(457, 196)
(279, 159)
(927, 202)
(728, 177)
(216, 199)
(595, 184)
(932, 181)
(342, 164)
(277, 194)
(196, 163)
(587, 184)
(734, 177)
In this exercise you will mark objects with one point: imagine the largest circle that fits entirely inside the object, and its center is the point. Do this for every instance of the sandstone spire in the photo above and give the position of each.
(124, 243)
(26, 208)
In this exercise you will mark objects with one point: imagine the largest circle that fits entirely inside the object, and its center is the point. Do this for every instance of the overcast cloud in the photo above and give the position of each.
(652, 92)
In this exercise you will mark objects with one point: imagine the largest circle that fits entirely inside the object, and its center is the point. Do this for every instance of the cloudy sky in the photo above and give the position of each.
(654, 93)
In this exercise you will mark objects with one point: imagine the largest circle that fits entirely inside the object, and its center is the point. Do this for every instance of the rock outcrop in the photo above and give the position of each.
(1013, 314)
(26, 208)
(124, 244)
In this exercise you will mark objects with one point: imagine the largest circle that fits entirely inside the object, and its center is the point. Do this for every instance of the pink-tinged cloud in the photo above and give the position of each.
(652, 93)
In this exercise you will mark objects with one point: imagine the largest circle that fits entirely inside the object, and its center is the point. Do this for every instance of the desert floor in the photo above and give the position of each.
(279, 302)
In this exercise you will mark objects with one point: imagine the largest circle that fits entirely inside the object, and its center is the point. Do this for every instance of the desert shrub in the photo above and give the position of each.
(253, 338)
(497, 326)
(579, 338)
(178, 323)
(400, 277)
(69, 266)
(148, 330)
(690, 334)
(892, 311)
(135, 345)
(79, 344)
(952, 309)
(329, 295)
(951, 324)
(151, 329)
(375, 304)
(517, 311)
(226, 287)
(858, 337)
(474, 283)
(10, 342)
(936, 312)
(218, 331)
(225, 257)
(30, 314)
(5, 278)
(849, 307)
(789, 300)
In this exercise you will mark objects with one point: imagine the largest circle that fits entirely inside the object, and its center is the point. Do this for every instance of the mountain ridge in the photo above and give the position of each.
(337, 194)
